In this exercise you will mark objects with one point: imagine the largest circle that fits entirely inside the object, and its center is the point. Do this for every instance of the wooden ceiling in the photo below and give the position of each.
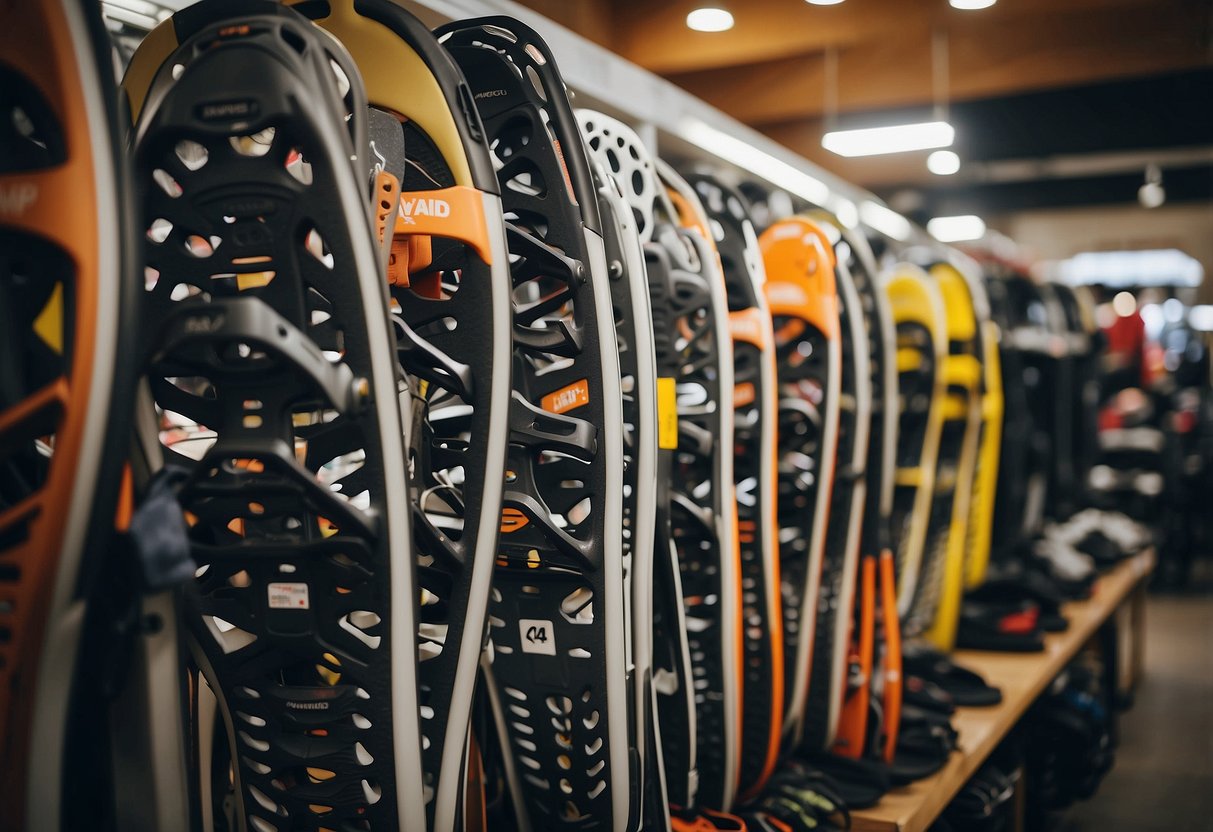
(769, 70)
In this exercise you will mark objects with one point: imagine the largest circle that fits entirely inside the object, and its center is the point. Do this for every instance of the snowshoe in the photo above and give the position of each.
(436, 199)
(829, 674)
(65, 324)
(941, 585)
(918, 315)
(270, 362)
(704, 506)
(621, 156)
(558, 615)
(754, 464)
(805, 313)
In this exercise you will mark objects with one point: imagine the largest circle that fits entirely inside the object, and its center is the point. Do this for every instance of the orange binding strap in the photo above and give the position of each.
(853, 721)
(892, 658)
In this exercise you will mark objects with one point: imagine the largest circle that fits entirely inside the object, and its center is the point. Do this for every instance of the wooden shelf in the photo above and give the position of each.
(1021, 677)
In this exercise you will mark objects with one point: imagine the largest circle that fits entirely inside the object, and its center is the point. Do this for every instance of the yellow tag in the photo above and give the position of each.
(667, 414)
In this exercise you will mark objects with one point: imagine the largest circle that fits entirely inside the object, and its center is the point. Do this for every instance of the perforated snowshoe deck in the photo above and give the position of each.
(804, 308)
(449, 284)
(755, 406)
(276, 388)
(558, 610)
(921, 347)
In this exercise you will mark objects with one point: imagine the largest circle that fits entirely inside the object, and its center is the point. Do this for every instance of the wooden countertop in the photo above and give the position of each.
(1021, 677)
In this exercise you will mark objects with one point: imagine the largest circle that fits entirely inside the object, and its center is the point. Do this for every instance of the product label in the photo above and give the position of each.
(288, 597)
(575, 395)
(537, 636)
(667, 414)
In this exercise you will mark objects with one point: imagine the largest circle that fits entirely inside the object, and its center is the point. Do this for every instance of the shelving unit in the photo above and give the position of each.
(1021, 677)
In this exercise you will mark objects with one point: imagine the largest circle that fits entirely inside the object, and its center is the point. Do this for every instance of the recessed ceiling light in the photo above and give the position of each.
(823, 2)
(897, 138)
(972, 4)
(943, 163)
(956, 229)
(710, 20)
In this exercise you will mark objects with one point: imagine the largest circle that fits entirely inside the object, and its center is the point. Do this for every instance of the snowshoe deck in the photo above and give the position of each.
(272, 367)
(449, 285)
(840, 567)
(803, 299)
(921, 347)
(558, 611)
(754, 471)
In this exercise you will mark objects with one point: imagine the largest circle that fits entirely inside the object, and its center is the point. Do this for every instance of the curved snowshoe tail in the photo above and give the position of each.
(558, 614)
(65, 314)
(273, 371)
(755, 405)
(803, 299)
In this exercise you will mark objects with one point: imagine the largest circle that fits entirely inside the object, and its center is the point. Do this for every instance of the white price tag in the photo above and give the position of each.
(537, 636)
(288, 597)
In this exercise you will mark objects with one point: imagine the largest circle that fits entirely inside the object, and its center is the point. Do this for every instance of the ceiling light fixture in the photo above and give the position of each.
(885, 220)
(972, 4)
(897, 138)
(957, 229)
(1152, 194)
(710, 20)
(823, 2)
(943, 163)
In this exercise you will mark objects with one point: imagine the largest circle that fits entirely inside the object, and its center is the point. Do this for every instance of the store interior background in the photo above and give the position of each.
(1061, 112)
(1058, 107)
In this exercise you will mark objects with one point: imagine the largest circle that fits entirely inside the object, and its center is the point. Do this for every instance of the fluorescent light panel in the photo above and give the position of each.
(885, 220)
(747, 157)
(957, 229)
(896, 138)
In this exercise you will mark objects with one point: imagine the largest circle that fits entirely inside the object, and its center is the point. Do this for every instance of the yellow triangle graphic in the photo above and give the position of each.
(49, 323)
